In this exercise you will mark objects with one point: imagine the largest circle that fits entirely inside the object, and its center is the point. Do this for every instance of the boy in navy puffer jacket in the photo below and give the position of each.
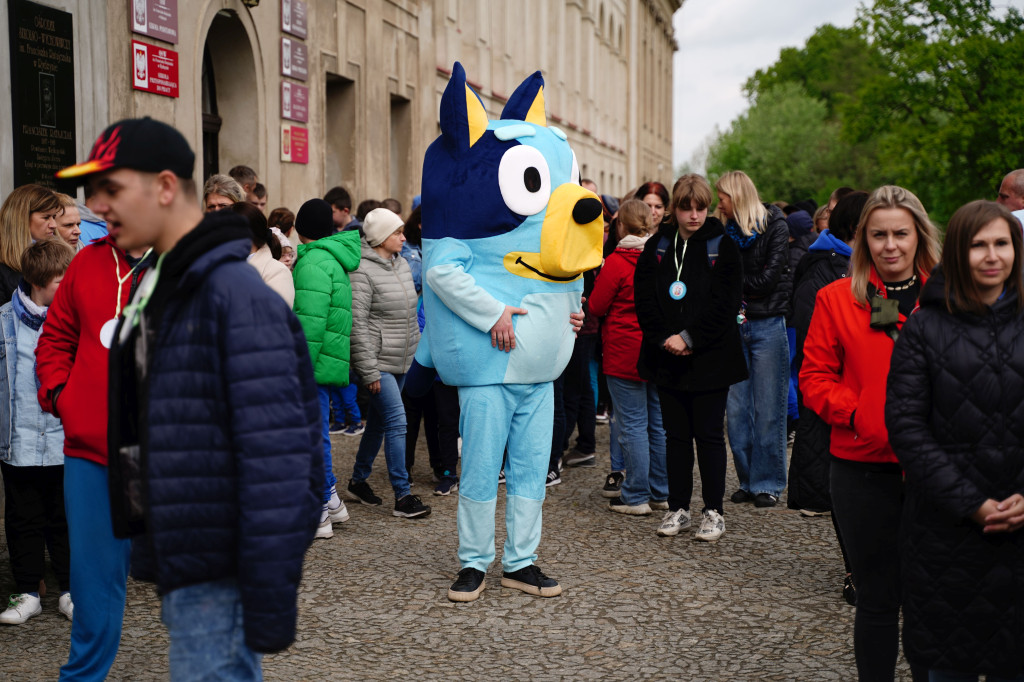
(230, 475)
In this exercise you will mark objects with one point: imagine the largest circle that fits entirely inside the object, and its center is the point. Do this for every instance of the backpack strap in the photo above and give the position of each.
(712, 246)
(662, 246)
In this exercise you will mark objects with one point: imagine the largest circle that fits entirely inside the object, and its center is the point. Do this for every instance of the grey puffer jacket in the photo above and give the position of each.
(384, 328)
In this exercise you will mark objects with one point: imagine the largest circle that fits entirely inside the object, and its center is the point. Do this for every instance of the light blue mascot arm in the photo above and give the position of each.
(448, 277)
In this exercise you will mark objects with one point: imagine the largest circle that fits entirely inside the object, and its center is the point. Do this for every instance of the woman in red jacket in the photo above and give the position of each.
(843, 379)
(637, 409)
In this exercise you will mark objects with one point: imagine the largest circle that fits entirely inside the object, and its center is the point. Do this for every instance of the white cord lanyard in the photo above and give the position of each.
(121, 280)
(682, 259)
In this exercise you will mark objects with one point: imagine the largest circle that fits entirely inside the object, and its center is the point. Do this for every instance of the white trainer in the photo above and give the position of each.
(711, 526)
(337, 514)
(673, 522)
(20, 608)
(324, 530)
(66, 606)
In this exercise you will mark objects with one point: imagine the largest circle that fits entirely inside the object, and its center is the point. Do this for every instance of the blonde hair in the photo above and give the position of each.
(225, 186)
(634, 217)
(65, 200)
(16, 218)
(928, 248)
(748, 212)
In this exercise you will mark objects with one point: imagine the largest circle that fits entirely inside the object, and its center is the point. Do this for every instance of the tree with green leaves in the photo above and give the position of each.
(928, 94)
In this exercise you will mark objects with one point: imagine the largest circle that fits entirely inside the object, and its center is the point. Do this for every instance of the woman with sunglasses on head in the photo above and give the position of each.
(842, 378)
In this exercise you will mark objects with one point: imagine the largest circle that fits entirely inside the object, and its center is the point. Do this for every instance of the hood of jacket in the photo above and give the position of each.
(370, 254)
(827, 241)
(86, 214)
(221, 236)
(342, 247)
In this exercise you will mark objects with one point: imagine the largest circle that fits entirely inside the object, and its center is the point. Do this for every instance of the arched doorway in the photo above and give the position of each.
(230, 97)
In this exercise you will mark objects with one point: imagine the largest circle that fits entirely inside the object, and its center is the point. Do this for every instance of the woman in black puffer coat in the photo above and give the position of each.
(756, 407)
(955, 415)
(827, 260)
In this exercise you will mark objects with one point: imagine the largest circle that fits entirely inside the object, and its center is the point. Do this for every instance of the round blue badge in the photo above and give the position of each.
(677, 290)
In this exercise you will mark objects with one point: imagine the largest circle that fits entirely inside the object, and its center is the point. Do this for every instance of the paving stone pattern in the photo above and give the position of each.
(763, 603)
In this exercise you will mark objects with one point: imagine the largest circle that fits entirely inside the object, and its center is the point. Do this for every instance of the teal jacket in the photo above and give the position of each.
(323, 303)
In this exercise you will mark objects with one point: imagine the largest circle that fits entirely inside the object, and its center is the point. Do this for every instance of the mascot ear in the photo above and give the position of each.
(463, 119)
(527, 102)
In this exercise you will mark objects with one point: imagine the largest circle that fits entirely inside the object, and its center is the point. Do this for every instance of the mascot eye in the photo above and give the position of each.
(524, 180)
(574, 174)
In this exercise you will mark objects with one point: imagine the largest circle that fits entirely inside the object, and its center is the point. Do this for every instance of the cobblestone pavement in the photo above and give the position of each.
(763, 603)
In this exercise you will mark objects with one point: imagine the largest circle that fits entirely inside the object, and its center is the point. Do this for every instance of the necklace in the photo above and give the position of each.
(107, 330)
(903, 287)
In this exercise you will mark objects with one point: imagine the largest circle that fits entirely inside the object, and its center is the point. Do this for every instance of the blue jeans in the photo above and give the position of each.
(205, 625)
(642, 437)
(99, 571)
(385, 423)
(618, 461)
(756, 409)
(343, 399)
(324, 393)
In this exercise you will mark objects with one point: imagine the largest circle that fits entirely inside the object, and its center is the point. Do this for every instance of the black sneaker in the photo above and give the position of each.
(580, 459)
(336, 427)
(613, 484)
(501, 477)
(532, 580)
(468, 586)
(741, 496)
(359, 491)
(411, 507)
(554, 478)
(765, 500)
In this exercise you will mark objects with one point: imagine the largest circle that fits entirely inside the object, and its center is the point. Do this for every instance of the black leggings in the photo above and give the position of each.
(867, 504)
(689, 416)
(35, 519)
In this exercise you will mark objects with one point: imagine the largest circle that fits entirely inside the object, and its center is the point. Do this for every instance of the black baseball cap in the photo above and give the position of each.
(142, 144)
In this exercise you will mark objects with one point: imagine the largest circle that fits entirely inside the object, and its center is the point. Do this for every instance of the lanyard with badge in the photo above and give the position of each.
(107, 330)
(677, 290)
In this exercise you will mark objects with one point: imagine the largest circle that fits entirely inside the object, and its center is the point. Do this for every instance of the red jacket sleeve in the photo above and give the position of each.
(58, 341)
(822, 369)
(606, 285)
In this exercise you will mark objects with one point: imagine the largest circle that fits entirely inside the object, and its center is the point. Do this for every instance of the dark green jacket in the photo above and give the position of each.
(323, 303)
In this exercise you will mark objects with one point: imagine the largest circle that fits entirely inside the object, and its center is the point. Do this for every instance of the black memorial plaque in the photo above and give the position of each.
(42, 91)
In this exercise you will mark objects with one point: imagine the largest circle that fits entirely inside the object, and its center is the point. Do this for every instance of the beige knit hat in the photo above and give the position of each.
(380, 224)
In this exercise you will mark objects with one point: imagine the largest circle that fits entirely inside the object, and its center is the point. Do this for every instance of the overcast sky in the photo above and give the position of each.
(723, 42)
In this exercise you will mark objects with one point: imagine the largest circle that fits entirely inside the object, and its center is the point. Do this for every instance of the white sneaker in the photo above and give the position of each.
(337, 514)
(673, 522)
(617, 505)
(20, 608)
(66, 606)
(324, 530)
(711, 526)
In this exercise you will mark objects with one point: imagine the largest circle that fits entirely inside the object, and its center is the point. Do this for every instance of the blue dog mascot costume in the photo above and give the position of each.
(505, 223)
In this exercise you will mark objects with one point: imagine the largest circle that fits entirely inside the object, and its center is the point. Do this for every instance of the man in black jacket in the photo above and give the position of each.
(228, 494)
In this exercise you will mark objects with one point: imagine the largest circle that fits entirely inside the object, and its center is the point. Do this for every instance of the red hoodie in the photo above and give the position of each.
(845, 368)
(70, 352)
(612, 299)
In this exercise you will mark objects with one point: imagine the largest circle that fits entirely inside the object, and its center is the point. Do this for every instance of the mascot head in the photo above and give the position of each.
(514, 181)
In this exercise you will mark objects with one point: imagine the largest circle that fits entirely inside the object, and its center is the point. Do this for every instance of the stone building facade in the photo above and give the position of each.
(376, 71)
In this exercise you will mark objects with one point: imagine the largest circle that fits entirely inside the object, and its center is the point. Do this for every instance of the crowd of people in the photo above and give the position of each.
(888, 358)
